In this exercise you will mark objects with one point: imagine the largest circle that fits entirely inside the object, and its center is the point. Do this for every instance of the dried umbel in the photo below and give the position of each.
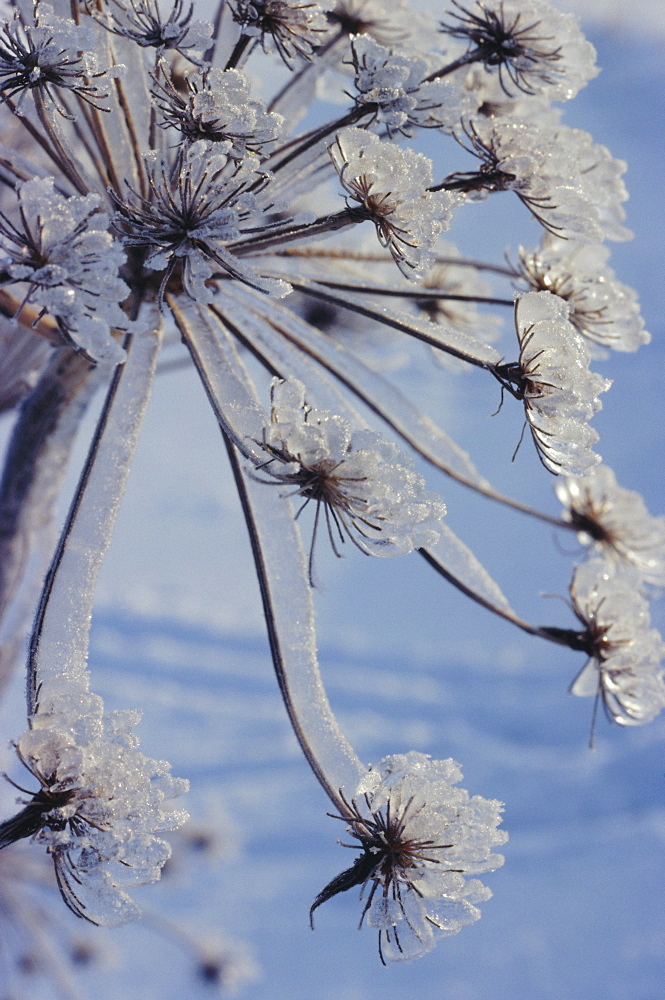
(156, 182)
(419, 836)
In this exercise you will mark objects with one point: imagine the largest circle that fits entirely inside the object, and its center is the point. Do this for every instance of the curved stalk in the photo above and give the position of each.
(59, 642)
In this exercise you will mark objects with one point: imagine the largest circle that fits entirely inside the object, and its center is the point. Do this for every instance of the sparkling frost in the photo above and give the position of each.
(70, 263)
(368, 489)
(535, 48)
(420, 838)
(395, 85)
(601, 308)
(391, 187)
(552, 377)
(624, 668)
(615, 522)
(100, 802)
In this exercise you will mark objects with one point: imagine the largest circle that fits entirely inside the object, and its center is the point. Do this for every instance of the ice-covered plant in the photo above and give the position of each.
(247, 185)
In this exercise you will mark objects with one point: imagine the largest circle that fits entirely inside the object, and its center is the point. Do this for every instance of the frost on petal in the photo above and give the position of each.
(602, 309)
(367, 489)
(625, 667)
(552, 378)
(615, 522)
(100, 803)
(70, 263)
(420, 838)
(390, 186)
(53, 55)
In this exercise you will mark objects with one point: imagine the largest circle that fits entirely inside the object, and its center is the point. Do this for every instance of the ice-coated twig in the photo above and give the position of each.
(59, 641)
(36, 463)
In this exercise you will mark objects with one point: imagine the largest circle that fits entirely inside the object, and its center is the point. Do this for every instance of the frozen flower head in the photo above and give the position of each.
(534, 48)
(553, 380)
(62, 251)
(569, 184)
(615, 522)
(624, 669)
(100, 803)
(390, 186)
(601, 308)
(143, 22)
(199, 201)
(217, 106)
(295, 27)
(420, 837)
(50, 57)
(391, 24)
(367, 488)
(394, 87)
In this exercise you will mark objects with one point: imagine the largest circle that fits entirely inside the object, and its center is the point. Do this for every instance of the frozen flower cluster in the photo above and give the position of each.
(391, 187)
(395, 89)
(100, 804)
(602, 309)
(624, 670)
(368, 489)
(69, 262)
(533, 47)
(552, 377)
(614, 522)
(420, 837)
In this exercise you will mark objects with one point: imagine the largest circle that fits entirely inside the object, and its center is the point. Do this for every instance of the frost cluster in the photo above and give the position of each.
(391, 187)
(101, 802)
(534, 48)
(602, 309)
(395, 88)
(142, 22)
(560, 393)
(50, 55)
(615, 523)
(421, 839)
(200, 201)
(216, 105)
(570, 184)
(295, 27)
(64, 253)
(625, 667)
(369, 490)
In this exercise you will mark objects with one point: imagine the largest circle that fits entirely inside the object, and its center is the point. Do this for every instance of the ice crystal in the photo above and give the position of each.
(217, 106)
(393, 86)
(624, 669)
(420, 837)
(100, 803)
(63, 252)
(143, 23)
(391, 186)
(200, 201)
(51, 55)
(368, 489)
(296, 27)
(615, 522)
(601, 308)
(571, 186)
(552, 377)
(533, 47)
